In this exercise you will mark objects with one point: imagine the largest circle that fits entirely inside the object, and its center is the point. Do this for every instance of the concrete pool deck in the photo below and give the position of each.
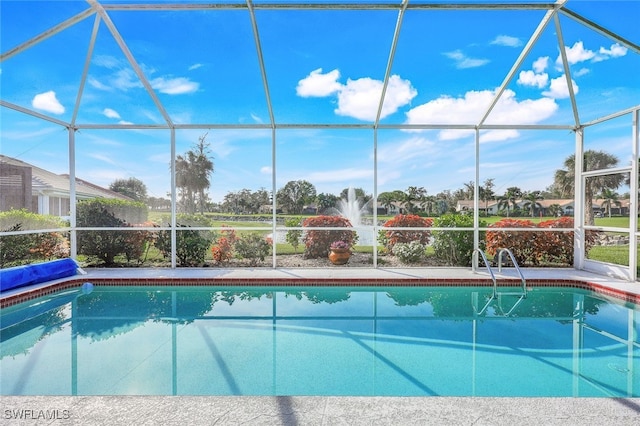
(318, 410)
(326, 410)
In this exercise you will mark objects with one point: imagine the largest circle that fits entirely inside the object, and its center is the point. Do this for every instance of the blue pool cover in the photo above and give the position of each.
(20, 276)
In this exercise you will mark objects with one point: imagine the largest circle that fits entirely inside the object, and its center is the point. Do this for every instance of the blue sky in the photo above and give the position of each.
(322, 67)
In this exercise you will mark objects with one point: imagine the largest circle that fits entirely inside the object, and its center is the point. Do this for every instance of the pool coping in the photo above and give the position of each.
(535, 277)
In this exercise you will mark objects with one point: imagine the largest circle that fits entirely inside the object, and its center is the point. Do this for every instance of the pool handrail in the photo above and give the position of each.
(515, 265)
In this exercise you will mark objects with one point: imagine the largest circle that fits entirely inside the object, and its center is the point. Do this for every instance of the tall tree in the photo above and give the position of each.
(486, 193)
(531, 201)
(133, 188)
(193, 171)
(387, 199)
(510, 197)
(295, 194)
(412, 195)
(326, 201)
(564, 179)
(609, 199)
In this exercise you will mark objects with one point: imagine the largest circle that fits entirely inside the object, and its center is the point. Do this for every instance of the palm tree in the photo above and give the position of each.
(593, 160)
(487, 194)
(387, 199)
(531, 201)
(555, 210)
(412, 194)
(510, 197)
(609, 198)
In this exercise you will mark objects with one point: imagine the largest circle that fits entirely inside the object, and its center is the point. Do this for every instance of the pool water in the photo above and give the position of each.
(395, 341)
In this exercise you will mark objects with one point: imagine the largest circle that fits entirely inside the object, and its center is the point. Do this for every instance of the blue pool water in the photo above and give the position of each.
(395, 341)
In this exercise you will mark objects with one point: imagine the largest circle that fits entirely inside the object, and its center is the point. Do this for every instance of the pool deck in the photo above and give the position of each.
(326, 410)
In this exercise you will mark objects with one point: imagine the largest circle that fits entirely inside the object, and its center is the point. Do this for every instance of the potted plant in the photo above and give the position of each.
(339, 252)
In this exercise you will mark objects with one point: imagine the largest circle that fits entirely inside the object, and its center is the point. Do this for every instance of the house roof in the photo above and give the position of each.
(46, 182)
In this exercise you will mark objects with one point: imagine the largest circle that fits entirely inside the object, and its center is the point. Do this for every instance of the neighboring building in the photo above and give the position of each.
(24, 186)
(542, 209)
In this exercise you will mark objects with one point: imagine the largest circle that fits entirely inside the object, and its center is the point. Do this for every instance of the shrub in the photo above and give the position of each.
(293, 236)
(391, 237)
(409, 252)
(23, 249)
(222, 250)
(521, 243)
(317, 242)
(536, 247)
(106, 245)
(129, 212)
(252, 246)
(455, 247)
(191, 245)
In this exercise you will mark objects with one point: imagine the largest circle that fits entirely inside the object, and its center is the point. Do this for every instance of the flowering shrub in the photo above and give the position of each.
(317, 242)
(222, 250)
(339, 245)
(409, 252)
(253, 246)
(533, 248)
(521, 243)
(392, 237)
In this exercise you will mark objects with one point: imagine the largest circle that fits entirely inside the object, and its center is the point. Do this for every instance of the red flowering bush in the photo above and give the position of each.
(534, 248)
(222, 250)
(391, 237)
(317, 242)
(521, 243)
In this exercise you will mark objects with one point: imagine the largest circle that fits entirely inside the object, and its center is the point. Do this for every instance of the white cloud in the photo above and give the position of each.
(102, 157)
(470, 108)
(256, 118)
(107, 61)
(47, 101)
(266, 170)
(125, 79)
(529, 111)
(174, 86)
(530, 78)
(97, 84)
(358, 98)
(558, 88)
(317, 84)
(615, 51)
(398, 153)
(124, 122)
(541, 64)
(581, 72)
(463, 61)
(505, 40)
(194, 67)
(110, 113)
(576, 53)
(449, 110)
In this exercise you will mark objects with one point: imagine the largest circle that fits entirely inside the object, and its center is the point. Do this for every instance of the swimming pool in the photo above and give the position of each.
(360, 341)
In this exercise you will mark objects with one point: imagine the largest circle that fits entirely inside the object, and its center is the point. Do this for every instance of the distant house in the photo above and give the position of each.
(25, 186)
(544, 206)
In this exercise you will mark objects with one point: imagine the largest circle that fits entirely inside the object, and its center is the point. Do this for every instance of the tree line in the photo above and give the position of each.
(194, 170)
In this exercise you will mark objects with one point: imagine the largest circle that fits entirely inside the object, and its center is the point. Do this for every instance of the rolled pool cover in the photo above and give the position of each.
(20, 276)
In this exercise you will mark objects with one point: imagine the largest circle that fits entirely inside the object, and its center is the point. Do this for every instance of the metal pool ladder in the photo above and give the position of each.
(496, 294)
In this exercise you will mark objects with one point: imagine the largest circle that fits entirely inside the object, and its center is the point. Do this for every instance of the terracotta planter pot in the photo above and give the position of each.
(339, 256)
